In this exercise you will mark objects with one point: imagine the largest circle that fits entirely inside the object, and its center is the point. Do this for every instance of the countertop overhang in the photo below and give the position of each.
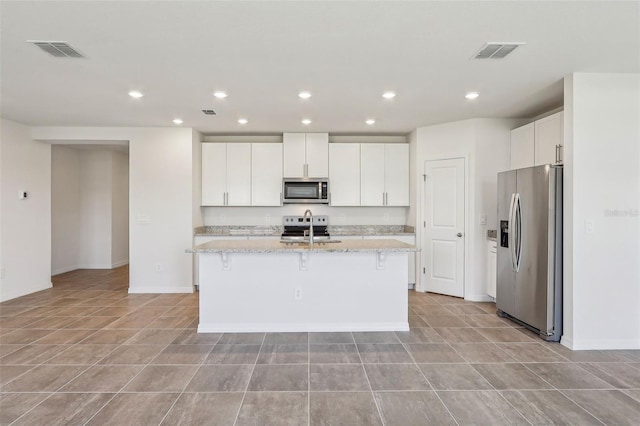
(275, 246)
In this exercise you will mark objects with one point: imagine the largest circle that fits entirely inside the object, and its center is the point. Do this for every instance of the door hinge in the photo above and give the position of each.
(424, 178)
(424, 224)
(424, 270)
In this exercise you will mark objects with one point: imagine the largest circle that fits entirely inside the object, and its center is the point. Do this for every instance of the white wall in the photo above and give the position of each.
(95, 208)
(160, 197)
(65, 209)
(25, 231)
(119, 209)
(602, 185)
(484, 143)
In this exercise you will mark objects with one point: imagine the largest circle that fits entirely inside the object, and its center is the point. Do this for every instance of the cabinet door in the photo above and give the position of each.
(293, 145)
(317, 154)
(214, 173)
(266, 174)
(371, 174)
(522, 146)
(238, 174)
(396, 174)
(548, 134)
(344, 174)
(492, 267)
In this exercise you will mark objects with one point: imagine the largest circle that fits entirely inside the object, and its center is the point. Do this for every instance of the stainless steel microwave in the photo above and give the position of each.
(305, 191)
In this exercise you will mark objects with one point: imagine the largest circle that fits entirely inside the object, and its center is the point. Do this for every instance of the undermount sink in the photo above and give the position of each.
(301, 242)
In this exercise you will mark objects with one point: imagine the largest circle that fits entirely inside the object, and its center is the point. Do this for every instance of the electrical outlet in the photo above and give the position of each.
(22, 195)
(297, 293)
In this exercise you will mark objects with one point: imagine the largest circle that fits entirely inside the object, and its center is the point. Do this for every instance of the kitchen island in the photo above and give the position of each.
(265, 285)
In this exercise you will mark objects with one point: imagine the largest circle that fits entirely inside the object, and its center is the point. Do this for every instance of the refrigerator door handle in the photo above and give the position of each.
(518, 236)
(511, 233)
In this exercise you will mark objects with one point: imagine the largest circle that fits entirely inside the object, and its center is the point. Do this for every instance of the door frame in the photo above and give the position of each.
(420, 231)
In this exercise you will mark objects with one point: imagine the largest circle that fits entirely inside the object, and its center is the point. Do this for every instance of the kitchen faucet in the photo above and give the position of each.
(304, 217)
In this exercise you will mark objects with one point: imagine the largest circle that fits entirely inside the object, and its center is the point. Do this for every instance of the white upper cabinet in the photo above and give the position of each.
(396, 174)
(384, 174)
(549, 139)
(522, 146)
(538, 143)
(266, 174)
(306, 154)
(226, 174)
(344, 174)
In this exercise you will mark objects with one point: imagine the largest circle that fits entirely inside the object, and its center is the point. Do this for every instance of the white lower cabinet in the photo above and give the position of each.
(492, 268)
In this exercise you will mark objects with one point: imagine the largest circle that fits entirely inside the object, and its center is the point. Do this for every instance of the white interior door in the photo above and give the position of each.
(443, 243)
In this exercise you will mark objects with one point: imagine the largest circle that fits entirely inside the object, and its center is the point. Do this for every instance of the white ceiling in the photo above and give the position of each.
(263, 53)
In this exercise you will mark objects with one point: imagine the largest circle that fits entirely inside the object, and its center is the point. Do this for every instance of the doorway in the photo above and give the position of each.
(444, 226)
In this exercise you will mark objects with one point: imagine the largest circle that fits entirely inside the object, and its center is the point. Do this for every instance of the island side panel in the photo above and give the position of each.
(356, 291)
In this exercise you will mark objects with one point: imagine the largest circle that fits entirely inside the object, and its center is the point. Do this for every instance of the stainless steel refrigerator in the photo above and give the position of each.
(529, 275)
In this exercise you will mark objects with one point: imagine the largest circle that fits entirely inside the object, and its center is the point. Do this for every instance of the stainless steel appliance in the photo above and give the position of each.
(305, 191)
(296, 228)
(529, 275)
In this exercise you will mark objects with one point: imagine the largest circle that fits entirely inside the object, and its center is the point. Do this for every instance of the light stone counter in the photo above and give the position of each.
(275, 246)
(276, 231)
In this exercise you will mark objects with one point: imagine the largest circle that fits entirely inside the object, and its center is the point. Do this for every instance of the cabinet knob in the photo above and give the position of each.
(459, 235)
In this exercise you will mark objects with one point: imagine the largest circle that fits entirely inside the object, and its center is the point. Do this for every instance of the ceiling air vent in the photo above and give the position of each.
(209, 112)
(59, 49)
(496, 50)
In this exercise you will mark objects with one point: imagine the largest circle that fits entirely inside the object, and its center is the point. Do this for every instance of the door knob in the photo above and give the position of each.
(459, 234)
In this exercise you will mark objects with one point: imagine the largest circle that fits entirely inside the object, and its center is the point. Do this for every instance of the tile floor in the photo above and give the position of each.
(87, 352)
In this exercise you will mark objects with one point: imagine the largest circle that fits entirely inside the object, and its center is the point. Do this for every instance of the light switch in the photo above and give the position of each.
(142, 219)
(483, 219)
(588, 226)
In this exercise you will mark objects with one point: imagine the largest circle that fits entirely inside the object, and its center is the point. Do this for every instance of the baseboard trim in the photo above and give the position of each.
(119, 264)
(309, 327)
(479, 298)
(96, 266)
(4, 297)
(600, 344)
(64, 270)
(143, 290)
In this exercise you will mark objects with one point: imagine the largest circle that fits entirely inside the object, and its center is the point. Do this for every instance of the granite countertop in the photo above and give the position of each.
(275, 246)
(276, 231)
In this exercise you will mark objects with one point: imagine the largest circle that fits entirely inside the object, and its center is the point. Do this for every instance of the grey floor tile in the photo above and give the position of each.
(65, 337)
(417, 321)
(504, 334)
(82, 354)
(375, 337)
(204, 409)
(337, 377)
(383, 353)
(293, 377)
(134, 409)
(183, 354)
(233, 354)
(395, 377)
(283, 354)
(464, 309)
(162, 378)
(461, 335)
(612, 407)
(433, 352)
(94, 323)
(192, 337)
(587, 356)
(10, 372)
(220, 378)
(24, 336)
(330, 353)
(548, 407)
(110, 336)
(269, 408)
(343, 408)
(103, 378)
(420, 335)
(14, 405)
(286, 338)
(242, 338)
(331, 338)
(530, 352)
(65, 409)
(7, 349)
(511, 376)
(153, 337)
(481, 408)
(32, 354)
(619, 375)
(486, 321)
(132, 354)
(454, 377)
(633, 393)
(444, 321)
(481, 352)
(412, 409)
(568, 376)
(44, 378)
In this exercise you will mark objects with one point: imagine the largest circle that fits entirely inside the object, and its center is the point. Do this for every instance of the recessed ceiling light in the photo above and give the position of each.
(220, 95)
(389, 95)
(243, 121)
(370, 121)
(304, 95)
(177, 121)
(135, 94)
(472, 95)
(306, 121)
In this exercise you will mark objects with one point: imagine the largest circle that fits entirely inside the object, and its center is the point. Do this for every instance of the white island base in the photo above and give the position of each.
(285, 291)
